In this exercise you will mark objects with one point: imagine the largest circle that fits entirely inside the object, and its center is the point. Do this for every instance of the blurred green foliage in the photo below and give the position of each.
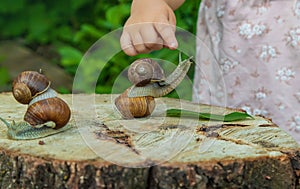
(73, 26)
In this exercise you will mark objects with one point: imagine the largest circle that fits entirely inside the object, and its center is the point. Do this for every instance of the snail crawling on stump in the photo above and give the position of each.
(149, 83)
(46, 113)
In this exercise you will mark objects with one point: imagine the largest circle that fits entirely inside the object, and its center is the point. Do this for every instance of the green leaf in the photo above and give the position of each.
(8, 6)
(116, 14)
(234, 116)
(70, 56)
(77, 4)
(63, 90)
(12, 25)
(38, 23)
(91, 30)
(64, 32)
(4, 76)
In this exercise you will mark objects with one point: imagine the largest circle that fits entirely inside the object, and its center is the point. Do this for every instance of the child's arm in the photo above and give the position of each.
(151, 26)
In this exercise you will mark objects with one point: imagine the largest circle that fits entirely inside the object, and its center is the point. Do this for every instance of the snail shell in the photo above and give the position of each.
(50, 109)
(142, 71)
(29, 84)
(134, 107)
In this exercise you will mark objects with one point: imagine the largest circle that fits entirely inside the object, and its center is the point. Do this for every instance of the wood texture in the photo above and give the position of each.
(104, 151)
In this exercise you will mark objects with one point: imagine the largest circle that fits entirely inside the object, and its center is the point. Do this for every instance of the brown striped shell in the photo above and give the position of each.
(29, 84)
(51, 109)
(143, 70)
(134, 107)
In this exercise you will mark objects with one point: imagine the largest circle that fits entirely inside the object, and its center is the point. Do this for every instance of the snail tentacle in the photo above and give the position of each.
(8, 125)
(161, 88)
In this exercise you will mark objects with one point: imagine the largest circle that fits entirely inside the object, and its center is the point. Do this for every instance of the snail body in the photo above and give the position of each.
(46, 113)
(139, 99)
(24, 131)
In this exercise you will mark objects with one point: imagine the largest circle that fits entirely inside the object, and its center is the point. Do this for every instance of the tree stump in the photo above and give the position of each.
(105, 151)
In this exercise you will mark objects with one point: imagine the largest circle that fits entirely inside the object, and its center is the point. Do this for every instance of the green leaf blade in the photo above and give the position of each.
(234, 116)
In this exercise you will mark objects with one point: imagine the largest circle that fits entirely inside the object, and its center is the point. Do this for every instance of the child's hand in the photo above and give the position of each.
(151, 26)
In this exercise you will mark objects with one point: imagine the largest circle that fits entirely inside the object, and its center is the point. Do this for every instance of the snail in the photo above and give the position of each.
(46, 113)
(139, 99)
(134, 107)
(143, 70)
(29, 84)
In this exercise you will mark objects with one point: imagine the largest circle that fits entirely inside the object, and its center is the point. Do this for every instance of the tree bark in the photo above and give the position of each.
(103, 150)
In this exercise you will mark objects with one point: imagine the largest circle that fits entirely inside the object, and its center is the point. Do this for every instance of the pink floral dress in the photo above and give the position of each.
(248, 56)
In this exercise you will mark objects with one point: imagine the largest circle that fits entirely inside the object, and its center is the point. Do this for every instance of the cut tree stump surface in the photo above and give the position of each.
(104, 151)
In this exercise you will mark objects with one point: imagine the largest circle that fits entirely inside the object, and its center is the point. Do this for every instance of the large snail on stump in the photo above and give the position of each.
(138, 100)
(46, 113)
